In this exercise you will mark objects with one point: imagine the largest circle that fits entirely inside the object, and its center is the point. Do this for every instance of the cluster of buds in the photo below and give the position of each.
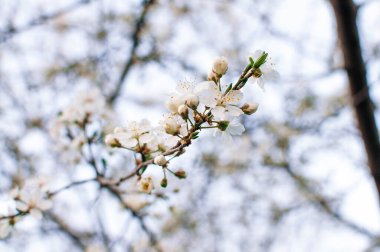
(192, 108)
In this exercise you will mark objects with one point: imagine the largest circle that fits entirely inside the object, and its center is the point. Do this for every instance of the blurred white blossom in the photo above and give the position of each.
(266, 72)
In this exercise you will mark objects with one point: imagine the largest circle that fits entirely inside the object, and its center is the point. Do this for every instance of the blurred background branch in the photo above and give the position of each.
(346, 21)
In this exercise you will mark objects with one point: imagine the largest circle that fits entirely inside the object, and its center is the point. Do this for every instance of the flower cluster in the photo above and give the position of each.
(32, 199)
(69, 129)
(192, 108)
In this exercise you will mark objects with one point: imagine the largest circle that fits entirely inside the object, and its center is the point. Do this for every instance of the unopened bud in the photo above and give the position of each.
(160, 160)
(111, 141)
(164, 182)
(212, 76)
(192, 101)
(181, 174)
(220, 66)
(250, 108)
(183, 111)
(171, 128)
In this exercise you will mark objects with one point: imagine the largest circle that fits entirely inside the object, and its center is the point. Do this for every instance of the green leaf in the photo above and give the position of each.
(251, 61)
(261, 60)
(194, 135)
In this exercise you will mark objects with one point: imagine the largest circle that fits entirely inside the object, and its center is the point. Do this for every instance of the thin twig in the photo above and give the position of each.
(139, 26)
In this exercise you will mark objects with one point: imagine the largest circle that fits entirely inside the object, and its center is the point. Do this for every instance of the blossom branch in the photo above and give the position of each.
(73, 184)
(152, 145)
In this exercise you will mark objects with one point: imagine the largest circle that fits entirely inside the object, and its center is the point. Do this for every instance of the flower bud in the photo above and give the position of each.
(183, 111)
(212, 76)
(250, 108)
(171, 126)
(160, 160)
(164, 182)
(192, 101)
(220, 66)
(181, 174)
(111, 141)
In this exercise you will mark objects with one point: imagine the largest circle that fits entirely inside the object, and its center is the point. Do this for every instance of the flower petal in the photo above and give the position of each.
(233, 97)
(235, 128)
(36, 213)
(128, 142)
(233, 111)
(219, 112)
(185, 87)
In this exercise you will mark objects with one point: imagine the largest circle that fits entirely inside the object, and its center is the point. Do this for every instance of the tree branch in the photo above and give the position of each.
(11, 31)
(345, 14)
(139, 25)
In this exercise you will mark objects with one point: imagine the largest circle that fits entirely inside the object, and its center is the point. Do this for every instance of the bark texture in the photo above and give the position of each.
(346, 21)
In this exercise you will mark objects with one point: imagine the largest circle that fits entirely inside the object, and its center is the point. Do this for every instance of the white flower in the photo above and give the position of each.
(42, 183)
(7, 223)
(72, 114)
(226, 111)
(135, 202)
(34, 201)
(174, 102)
(86, 104)
(220, 66)
(162, 141)
(135, 133)
(185, 94)
(92, 101)
(146, 184)
(160, 160)
(222, 104)
(266, 72)
(229, 129)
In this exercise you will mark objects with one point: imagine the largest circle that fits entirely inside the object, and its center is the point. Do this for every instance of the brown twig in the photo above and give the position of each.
(139, 26)
(11, 31)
